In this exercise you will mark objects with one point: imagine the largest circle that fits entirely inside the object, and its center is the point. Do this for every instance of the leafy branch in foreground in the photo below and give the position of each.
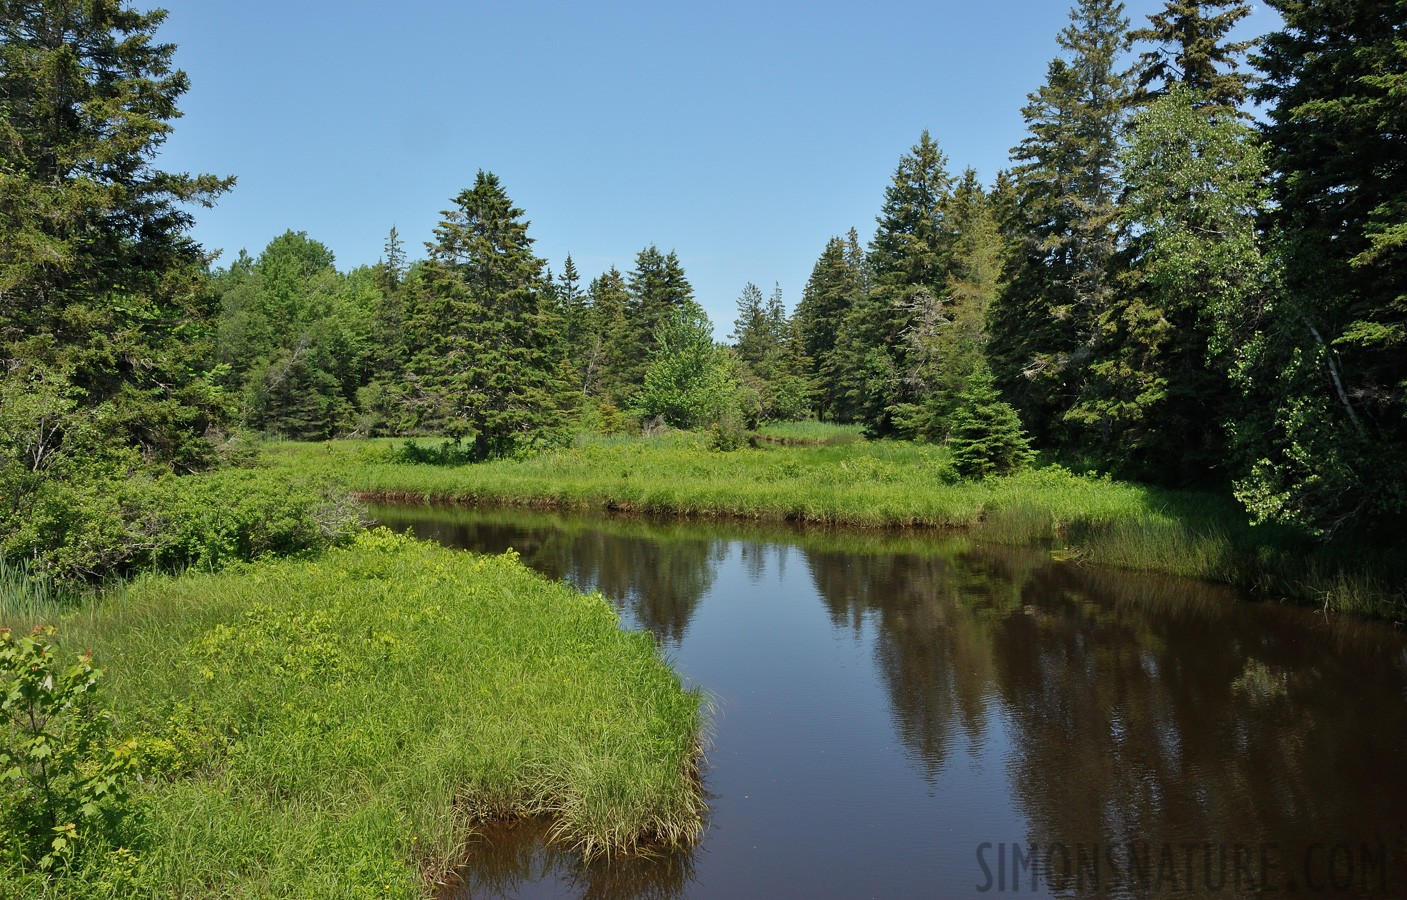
(60, 782)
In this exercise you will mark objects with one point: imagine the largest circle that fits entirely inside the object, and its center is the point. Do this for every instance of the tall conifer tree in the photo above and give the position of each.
(1044, 324)
(1327, 430)
(658, 289)
(1160, 391)
(1190, 49)
(836, 284)
(99, 279)
(603, 364)
(909, 260)
(495, 346)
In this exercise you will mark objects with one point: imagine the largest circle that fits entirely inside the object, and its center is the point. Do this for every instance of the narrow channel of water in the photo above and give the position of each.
(918, 716)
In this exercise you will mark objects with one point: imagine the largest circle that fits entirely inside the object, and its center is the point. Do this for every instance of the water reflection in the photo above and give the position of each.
(658, 582)
(504, 859)
(1123, 714)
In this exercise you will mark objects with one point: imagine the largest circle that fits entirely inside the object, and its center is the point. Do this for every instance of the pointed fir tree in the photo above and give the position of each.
(1190, 49)
(603, 365)
(99, 278)
(493, 358)
(948, 334)
(834, 287)
(1057, 282)
(987, 438)
(910, 254)
(377, 401)
(575, 309)
(658, 289)
(749, 328)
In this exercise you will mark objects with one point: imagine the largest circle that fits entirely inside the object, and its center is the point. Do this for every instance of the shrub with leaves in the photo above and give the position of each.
(61, 783)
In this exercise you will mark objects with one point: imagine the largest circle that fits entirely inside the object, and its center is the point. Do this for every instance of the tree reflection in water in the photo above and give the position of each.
(1144, 711)
(1127, 710)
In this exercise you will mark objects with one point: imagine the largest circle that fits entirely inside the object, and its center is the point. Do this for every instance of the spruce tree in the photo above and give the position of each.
(390, 273)
(658, 290)
(834, 287)
(603, 365)
(987, 437)
(948, 333)
(99, 279)
(493, 361)
(909, 258)
(1160, 389)
(1191, 50)
(1326, 430)
(1044, 323)
(574, 307)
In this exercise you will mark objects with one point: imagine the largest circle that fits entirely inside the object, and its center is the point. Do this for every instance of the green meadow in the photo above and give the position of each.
(882, 484)
(337, 726)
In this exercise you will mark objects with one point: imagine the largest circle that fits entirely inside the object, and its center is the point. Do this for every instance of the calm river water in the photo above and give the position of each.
(919, 716)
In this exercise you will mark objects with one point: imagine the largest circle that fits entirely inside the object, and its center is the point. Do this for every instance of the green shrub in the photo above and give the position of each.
(60, 782)
(448, 453)
(88, 529)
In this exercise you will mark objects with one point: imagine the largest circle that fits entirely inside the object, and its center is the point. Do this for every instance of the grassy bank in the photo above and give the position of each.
(889, 484)
(334, 726)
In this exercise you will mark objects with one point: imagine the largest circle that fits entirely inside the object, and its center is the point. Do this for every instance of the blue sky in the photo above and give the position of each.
(741, 135)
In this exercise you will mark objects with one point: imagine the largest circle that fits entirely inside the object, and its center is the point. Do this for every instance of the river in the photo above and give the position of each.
(916, 715)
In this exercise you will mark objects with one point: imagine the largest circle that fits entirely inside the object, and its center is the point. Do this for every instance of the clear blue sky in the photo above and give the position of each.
(741, 135)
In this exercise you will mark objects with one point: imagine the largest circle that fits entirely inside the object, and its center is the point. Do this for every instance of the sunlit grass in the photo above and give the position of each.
(889, 484)
(812, 432)
(334, 727)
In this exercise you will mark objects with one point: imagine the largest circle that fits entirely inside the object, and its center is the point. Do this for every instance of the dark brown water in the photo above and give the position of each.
(917, 716)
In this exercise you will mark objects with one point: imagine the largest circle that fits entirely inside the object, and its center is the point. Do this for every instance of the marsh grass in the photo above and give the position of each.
(812, 432)
(26, 595)
(893, 484)
(336, 726)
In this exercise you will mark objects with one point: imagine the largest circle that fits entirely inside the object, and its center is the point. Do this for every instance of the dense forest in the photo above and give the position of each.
(1193, 273)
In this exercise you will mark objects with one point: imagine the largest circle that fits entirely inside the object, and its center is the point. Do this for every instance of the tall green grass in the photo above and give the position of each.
(336, 726)
(892, 484)
(812, 432)
(25, 594)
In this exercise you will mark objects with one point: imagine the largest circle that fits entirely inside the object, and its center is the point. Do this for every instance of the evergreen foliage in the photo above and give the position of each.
(772, 358)
(946, 339)
(835, 286)
(492, 349)
(1326, 430)
(1189, 49)
(987, 437)
(1058, 284)
(1159, 389)
(908, 264)
(604, 360)
(658, 289)
(99, 281)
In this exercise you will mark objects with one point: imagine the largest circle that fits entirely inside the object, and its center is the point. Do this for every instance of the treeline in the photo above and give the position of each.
(1164, 287)
(480, 341)
(1161, 286)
